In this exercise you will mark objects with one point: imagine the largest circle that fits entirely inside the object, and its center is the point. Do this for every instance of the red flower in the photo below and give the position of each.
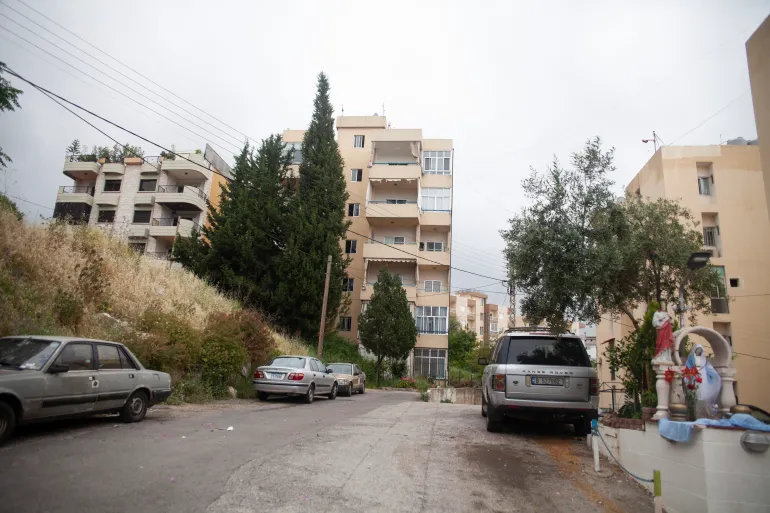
(690, 386)
(669, 375)
(699, 379)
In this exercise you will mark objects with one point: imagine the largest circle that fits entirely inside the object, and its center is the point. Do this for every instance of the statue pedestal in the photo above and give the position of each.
(662, 387)
(727, 394)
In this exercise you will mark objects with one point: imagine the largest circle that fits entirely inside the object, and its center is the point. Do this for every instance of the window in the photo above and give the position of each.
(347, 284)
(346, 323)
(358, 141)
(710, 236)
(77, 356)
(437, 162)
(108, 357)
(395, 240)
(354, 209)
(125, 361)
(105, 216)
(148, 185)
(293, 362)
(734, 282)
(704, 185)
(435, 199)
(430, 363)
(431, 319)
(493, 328)
(721, 289)
(481, 330)
(112, 185)
(432, 285)
(296, 149)
(432, 246)
(317, 366)
(561, 351)
(142, 216)
(351, 246)
(395, 202)
(356, 175)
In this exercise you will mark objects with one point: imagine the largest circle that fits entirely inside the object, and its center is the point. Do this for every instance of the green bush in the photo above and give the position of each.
(223, 354)
(398, 368)
(338, 349)
(68, 308)
(405, 383)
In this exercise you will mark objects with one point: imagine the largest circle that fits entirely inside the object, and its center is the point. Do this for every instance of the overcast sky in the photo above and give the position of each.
(512, 83)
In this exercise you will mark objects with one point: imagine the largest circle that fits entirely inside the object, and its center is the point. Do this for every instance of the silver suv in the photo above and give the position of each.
(533, 374)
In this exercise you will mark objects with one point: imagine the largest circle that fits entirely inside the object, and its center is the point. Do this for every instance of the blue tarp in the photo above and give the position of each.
(681, 431)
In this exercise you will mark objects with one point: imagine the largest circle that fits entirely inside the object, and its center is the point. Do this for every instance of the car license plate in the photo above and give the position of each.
(276, 375)
(552, 382)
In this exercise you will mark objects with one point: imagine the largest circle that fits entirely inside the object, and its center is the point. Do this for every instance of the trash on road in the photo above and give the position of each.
(230, 428)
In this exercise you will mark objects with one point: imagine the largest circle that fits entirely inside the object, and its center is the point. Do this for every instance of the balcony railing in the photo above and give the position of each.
(77, 189)
(710, 236)
(171, 221)
(179, 189)
(391, 202)
(432, 332)
(404, 283)
(153, 161)
(91, 157)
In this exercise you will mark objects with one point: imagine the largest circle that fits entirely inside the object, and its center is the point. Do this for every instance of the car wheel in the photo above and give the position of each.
(262, 396)
(308, 397)
(483, 405)
(350, 390)
(494, 420)
(363, 387)
(7, 421)
(582, 426)
(333, 394)
(135, 408)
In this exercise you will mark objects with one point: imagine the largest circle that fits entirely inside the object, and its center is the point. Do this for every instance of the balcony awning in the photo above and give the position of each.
(395, 260)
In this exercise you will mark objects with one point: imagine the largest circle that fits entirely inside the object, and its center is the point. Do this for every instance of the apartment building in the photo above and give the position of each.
(147, 200)
(400, 188)
(758, 56)
(471, 311)
(723, 187)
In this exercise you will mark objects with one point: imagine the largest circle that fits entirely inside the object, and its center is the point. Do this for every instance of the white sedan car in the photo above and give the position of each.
(295, 375)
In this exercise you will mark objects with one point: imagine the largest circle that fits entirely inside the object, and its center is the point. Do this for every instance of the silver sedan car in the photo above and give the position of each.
(295, 375)
(43, 378)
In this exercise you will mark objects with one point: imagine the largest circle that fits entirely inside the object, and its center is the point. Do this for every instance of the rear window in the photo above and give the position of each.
(284, 361)
(562, 351)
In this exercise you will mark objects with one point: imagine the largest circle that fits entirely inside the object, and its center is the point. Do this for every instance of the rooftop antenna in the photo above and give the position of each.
(343, 109)
(383, 109)
(655, 140)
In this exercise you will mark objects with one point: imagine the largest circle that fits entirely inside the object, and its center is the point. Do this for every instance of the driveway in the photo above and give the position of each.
(382, 451)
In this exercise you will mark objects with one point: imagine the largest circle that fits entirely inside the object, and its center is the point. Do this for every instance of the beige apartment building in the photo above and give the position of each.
(400, 188)
(147, 200)
(758, 56)
(723, 187)
(470, 308)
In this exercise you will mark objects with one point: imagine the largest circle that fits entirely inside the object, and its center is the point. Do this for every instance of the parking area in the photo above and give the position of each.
(382, 451)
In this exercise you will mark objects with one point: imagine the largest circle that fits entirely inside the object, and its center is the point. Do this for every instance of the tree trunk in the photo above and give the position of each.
(379, 369)
(630, 316)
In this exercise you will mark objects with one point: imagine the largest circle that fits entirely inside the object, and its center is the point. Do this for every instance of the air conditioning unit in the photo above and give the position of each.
(719, 305)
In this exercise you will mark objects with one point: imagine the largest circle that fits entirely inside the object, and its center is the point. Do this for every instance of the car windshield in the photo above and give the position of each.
(288, 361)
(26, 353)
(341, 368)
(561, 351)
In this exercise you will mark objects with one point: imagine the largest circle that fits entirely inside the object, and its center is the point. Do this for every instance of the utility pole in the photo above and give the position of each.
(323, 308)
(512, 309)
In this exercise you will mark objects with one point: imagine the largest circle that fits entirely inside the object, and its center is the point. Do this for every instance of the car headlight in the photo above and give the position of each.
(343, 382)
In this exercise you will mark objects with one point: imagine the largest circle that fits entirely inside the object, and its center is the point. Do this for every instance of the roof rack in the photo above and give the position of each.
(529, 328)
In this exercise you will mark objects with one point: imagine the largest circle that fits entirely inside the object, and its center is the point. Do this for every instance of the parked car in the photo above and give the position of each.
(350, 378)
(536, 375)
(295, 375)
(43, 378)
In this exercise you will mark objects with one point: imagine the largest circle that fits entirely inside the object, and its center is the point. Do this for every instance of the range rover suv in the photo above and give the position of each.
(534, 374)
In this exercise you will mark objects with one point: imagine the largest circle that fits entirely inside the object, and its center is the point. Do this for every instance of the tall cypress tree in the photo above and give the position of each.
(318, 224)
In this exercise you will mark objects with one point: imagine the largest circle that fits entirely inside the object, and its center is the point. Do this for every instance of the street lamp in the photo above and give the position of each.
(697, 260)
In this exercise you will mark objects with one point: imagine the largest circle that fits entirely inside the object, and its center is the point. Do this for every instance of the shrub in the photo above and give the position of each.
(405, 383)
(223, 355)
(398, 368)
(68, 309)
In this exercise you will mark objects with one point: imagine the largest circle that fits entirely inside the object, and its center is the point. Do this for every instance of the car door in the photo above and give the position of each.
(323, 381)
(356, 382)
(115, 382)
(74, 391)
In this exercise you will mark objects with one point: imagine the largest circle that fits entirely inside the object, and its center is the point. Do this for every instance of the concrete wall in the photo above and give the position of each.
(455, 395)
(758, 55)
(711, 473)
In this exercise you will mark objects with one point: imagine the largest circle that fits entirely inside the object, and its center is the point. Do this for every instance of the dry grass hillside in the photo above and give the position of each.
(59, 279)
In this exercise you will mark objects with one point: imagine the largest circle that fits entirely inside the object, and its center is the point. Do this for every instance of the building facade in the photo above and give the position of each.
(471, 310)
(147, 200)
(758, 56)
(723, 187)
(400, 208)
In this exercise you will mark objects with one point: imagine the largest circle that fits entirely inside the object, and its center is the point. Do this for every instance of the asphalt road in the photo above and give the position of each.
(382, 451)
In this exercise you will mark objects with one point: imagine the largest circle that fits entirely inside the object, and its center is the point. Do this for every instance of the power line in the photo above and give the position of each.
(725, 107)
(133, 70)
(110, 67)
(27, 201)
(121, 92)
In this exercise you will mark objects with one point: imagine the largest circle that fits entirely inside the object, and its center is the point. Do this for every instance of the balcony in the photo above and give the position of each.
(440, 258)
(76, 194)
(170, 227)
(81, 167)
(181, 197)
(381, 251)
(433, 340)
(436, 218)
(115, 169)
(395, 171)
(192, 167)
(384, 210)
(138, 231)
(110, 199)
(410, 288)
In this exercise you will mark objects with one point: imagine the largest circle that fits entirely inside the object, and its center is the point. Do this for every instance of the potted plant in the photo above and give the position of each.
(649, 404)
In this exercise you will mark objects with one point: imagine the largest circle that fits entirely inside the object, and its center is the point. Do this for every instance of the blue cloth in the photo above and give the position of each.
(681, 431)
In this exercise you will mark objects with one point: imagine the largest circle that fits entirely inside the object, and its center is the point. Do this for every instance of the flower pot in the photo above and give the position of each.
(132, 161)
(102, 160)
(678, 411)
(648, 413)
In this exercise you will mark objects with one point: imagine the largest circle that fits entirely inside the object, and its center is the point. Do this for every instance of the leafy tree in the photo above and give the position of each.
(317, 224)
(7, 204)
(462, 342)
(387, 327)
(74, 148)
(9, 100)
(551, 246)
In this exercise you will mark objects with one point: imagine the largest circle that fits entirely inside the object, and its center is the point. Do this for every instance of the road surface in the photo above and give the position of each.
(382, 451)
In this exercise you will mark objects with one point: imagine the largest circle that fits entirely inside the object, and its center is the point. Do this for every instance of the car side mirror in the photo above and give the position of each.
(356, 373)
(329, 371)
(483, 361)
(58, 368)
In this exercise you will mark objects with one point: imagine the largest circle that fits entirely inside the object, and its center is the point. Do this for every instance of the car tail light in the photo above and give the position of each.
(259, 374)
(594, 386)
(295, 376)
(499, 381)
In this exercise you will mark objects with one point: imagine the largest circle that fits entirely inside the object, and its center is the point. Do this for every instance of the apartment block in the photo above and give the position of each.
(470, 308)
(758, 57)
(147, 200)
(400, 188)
(723, 187)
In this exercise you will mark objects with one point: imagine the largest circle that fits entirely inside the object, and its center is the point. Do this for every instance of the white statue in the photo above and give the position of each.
(709, 384)
(665, 339)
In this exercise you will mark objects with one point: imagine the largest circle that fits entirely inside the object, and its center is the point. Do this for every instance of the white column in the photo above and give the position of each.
(663, 388)
(727, 394)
